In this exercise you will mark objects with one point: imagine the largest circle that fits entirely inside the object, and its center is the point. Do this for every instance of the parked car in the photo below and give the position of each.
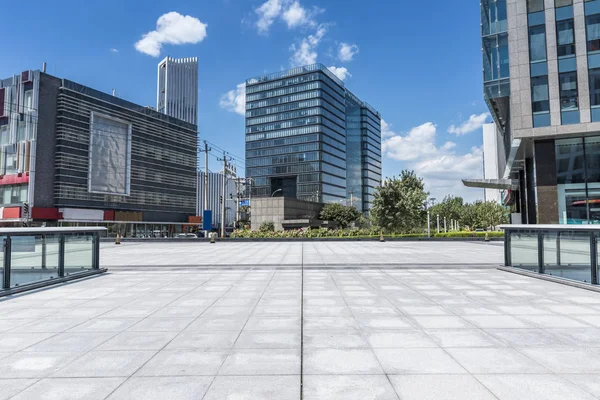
(187, 236)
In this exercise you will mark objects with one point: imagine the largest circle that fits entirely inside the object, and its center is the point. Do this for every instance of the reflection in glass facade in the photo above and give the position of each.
(494, 28)
(308, 137)
(578, 179)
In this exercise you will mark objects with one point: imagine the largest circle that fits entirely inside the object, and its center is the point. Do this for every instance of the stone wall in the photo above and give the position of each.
(278, 209)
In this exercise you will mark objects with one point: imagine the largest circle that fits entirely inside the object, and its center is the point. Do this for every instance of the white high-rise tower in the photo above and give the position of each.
(178, 88)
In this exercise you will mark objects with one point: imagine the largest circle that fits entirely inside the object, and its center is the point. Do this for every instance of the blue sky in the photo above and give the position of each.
(418, 63)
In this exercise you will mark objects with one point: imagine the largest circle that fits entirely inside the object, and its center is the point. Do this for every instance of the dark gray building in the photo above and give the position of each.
(309, 138)
(72, 153)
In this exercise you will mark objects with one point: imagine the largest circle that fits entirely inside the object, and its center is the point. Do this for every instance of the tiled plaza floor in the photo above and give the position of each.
(318, 333)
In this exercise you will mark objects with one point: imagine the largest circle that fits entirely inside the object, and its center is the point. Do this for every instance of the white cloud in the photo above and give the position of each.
(172, 28)
(114, 50)
(472, 124)
(440, 166)
(386, 130)
(341, 72)
(267, 13)
(305, 52)
(346, 52)
(235, 100)
(290, 12)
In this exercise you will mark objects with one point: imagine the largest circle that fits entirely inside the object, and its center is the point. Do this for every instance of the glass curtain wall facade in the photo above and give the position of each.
(307, 137)
(494, 29)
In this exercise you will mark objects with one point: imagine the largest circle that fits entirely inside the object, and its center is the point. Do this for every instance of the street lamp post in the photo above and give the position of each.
(278, 190)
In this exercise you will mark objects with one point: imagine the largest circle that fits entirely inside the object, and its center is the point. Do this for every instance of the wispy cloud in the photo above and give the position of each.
(305, 52)
(346, 52)
(474, 123)
(291, 12)
(340, 72)
(172, 28)
(235, 100)
(113, 50)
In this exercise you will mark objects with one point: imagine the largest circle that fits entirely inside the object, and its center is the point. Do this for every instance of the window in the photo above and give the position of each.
(593, 32)
(110, 156)
(535, 5)
(594, 87)
(568, 91)
(28, 101)
(539, 94)
(4, 135)
(537, 43)
(562, 3)
(565, 38)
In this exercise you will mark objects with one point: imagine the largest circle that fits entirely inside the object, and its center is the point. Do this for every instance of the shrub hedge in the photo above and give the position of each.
(353, 233)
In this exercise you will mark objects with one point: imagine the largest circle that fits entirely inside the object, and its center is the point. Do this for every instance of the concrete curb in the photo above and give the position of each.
(333, 239)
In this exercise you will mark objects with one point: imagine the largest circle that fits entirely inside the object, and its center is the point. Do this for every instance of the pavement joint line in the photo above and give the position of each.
(302, 325)
(148, 316)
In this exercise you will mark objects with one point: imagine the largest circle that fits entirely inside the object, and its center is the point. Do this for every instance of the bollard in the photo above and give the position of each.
(487, 236)
(381, 239)
(118, 239)
(212, 237)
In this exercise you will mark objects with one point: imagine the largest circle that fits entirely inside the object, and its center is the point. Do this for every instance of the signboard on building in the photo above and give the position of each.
(207, 220)
(245, 203)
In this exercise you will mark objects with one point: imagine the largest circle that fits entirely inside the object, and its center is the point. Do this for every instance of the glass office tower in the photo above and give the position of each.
(299, 137)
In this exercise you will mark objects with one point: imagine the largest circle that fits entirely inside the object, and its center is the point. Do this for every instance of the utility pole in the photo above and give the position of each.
(205, 151)
(224, 159)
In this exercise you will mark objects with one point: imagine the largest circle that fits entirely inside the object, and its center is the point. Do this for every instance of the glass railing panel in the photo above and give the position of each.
(78, 254)
(524, 250)
(33, 259)
(550, 240)
(575, 258)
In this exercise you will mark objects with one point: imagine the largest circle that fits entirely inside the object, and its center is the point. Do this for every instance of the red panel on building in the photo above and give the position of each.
(45, 213)
(109, 215)
(14, 179)
(11, 213)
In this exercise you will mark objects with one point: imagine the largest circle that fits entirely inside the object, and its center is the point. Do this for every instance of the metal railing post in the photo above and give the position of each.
(558, 249)
(44, 252)
(61, 256)
(7, 260)
(96, 251)
(540, 252)
(507, 254)
(594, 257)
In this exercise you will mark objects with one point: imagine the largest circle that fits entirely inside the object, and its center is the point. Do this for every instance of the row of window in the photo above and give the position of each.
(295, 81)
(538, 5)
(282, 92)
(295, 106)
(284, 169)
(282, 150)
(295, 114)
(287, 159)
(281, 142)
(13, 194)
(322, 93)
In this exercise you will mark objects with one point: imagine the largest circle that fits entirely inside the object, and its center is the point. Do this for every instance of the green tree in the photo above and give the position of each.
(470, 216)
(343, 215)
(450, 208)
(399, 204)
(491, 214)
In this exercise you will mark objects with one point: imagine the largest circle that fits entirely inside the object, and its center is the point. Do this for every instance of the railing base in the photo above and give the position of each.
(550, 278)
(51, 282)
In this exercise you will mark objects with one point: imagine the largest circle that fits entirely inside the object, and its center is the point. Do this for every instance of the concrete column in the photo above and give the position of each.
(547, 193)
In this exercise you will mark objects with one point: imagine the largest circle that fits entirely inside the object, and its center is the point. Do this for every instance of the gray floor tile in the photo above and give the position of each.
(262, 362)
(399, 339)
(319, 339)
(330, 323)
(71, 342)
(442, 322)
(71, 389)
(566, 360)
(264, 323)
(163, 388)
(135, 341)
(254, 388)
(348, 387)
(439, 387)
(268, 340)
(105, 325)
(35, 364)
(417, 361)
(529, 386)
(183, 363)
(588, 382)
(528, 337)
(106, 364)
(340, 362)
(495, 361)
(189, 339)
(463, 338)
(496, 321)
(12, 342)
(10, 387)
(161, 325)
